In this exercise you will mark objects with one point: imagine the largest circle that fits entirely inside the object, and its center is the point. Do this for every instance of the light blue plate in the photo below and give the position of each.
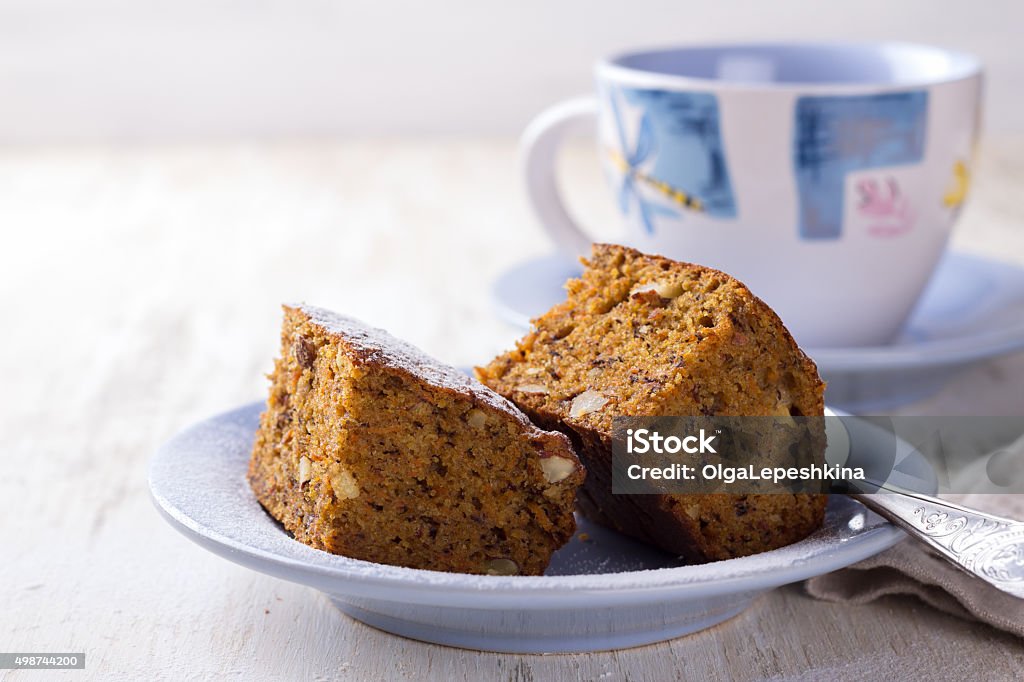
(972, 311)
(608, 592)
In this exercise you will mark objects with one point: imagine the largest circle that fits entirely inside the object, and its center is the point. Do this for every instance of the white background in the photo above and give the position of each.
(72, 70)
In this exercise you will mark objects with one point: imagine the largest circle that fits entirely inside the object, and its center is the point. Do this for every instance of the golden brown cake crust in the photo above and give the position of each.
(372, 449)
(643, 335)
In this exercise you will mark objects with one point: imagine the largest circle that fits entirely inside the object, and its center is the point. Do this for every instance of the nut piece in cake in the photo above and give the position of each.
(643, 335)
(371, 449)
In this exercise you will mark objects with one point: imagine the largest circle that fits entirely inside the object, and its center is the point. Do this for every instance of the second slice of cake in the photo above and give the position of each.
(371, 449)
(643, 335)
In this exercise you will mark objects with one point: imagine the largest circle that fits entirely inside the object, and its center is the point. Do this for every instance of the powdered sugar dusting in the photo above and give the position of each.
(379, 346)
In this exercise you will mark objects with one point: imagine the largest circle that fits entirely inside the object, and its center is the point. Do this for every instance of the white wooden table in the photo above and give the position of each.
(140, 290)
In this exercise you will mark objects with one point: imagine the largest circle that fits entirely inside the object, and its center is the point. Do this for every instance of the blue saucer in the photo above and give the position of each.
(972, 311)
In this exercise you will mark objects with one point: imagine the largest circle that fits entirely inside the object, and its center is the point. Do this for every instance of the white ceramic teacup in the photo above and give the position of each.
(825, 176)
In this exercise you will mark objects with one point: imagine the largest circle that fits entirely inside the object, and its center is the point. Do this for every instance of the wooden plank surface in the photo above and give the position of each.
(140, 291)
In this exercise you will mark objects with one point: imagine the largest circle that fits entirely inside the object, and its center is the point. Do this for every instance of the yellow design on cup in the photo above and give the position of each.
(677, 196)
(957, 192)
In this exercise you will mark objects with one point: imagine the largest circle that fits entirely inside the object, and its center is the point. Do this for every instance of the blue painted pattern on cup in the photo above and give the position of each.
(837, 135)
(675, 162)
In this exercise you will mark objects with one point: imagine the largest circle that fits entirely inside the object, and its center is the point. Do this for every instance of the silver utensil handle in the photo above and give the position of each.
(987, 546)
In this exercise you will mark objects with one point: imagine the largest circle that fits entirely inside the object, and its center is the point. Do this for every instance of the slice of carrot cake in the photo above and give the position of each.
(643, 335)
(371, 449)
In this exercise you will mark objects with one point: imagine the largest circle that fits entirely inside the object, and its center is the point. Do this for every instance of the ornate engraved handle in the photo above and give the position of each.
(987, 546)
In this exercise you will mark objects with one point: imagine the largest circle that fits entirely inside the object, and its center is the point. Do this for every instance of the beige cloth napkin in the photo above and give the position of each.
(911, 568)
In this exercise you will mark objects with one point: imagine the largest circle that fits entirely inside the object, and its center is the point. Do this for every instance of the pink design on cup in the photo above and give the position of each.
(887, 210)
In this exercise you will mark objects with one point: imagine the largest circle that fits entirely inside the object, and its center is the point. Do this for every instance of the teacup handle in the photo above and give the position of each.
(540, 144)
